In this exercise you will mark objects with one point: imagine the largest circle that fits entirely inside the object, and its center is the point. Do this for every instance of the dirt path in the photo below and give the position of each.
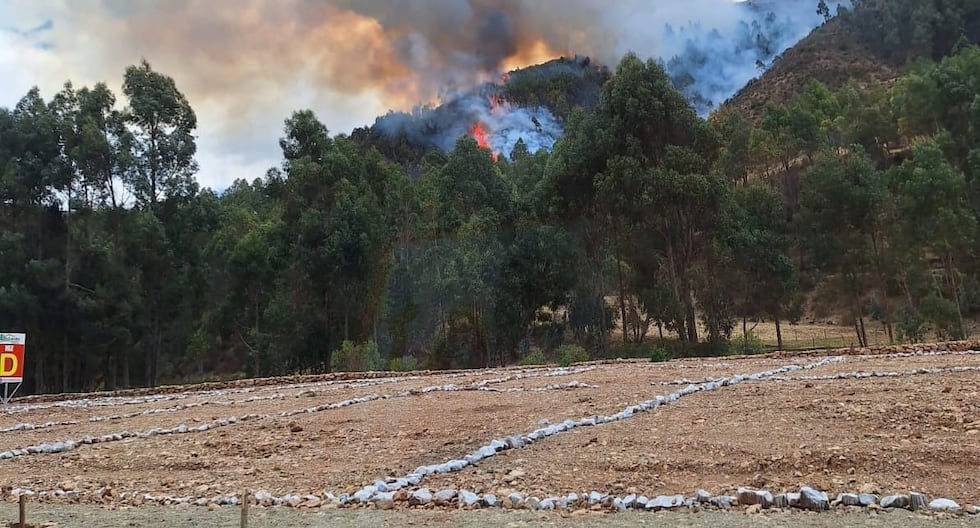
(82, 516)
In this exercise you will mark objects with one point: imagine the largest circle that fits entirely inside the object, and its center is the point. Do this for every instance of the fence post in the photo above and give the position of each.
(244, 509)
(22, 506)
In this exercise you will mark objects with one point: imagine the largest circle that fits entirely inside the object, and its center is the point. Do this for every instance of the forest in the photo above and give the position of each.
(645, 224)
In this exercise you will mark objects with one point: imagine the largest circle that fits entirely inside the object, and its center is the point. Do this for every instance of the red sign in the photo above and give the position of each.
(12, 358)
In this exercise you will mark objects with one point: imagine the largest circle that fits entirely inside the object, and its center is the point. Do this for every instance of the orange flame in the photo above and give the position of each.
(480, 135)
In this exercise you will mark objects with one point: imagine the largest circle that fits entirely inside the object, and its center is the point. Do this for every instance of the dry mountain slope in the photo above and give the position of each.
(833, 54)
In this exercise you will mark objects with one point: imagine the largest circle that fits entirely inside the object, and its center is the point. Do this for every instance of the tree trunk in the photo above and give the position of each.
(622, 290)
(603, 347)
(125, 370)
(110, 366)
(66, 353)
(955, 294)
(779, 334)
(883, 286)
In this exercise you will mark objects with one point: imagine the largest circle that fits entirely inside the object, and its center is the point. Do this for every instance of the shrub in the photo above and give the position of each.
(568, 354)
(356, 358)
(659, 354)
(943, 316)
(403, 364)
(747, 344)
(536, 357)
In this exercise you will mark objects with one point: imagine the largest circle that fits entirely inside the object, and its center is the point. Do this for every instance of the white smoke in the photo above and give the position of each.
(537, 127)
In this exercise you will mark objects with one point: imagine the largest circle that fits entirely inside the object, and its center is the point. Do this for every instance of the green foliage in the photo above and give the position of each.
(746, 344)
(659, 354)
(910, 325)
(568, 354)
(943, 317)
(403, 364)
(534, 358)
(356, 358)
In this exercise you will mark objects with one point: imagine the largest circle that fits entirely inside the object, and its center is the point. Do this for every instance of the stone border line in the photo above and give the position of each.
(112, 401)
(385, 489)
(68, 445)
(851, 375)
(754, 500)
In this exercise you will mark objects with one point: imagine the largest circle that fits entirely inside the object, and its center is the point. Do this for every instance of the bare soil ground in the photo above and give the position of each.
(85, 516)
(918, 431)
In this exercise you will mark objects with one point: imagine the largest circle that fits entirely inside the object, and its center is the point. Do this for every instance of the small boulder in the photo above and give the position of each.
(468, 498)
(665, 502)
(595, 498)
(944, 505)
(722, 501)
(629, 500)
(918, 501)
(364, 494)
(490, 500)
(895, 501)
(867, 499)
(515, 499)
(780, 501)
(848, 499)
(420, 497)
(815, 500)
(445, 497)
(747, 497)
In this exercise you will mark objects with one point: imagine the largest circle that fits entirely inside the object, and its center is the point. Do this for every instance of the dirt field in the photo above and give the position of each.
(917, 429)
(84, 516)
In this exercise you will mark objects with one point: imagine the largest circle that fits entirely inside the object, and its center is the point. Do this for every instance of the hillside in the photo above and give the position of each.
(869, 45)
(529, 104)
(833, 54)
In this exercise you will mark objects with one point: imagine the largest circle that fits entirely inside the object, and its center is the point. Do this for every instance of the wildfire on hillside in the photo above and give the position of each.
(480, 135)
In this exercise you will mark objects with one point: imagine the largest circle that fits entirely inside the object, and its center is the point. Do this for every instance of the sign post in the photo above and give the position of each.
(11, 364)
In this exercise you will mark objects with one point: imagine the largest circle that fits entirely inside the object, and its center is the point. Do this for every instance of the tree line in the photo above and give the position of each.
(644, 221)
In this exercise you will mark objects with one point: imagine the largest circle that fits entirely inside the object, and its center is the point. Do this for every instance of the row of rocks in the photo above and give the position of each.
(811, 499)
(34, 427)
(482, 385)
(754, 500)
(245, 385)
(914, 349)
(184, 407)
(392, 484)
(68, 445)
(864, 374)
(877, 374)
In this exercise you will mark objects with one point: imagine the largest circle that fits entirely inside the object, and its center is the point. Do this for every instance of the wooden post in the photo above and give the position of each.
(22, 506)
(244, 509)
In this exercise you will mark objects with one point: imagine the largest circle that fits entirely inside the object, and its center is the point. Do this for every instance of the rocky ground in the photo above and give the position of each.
(587, 440)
